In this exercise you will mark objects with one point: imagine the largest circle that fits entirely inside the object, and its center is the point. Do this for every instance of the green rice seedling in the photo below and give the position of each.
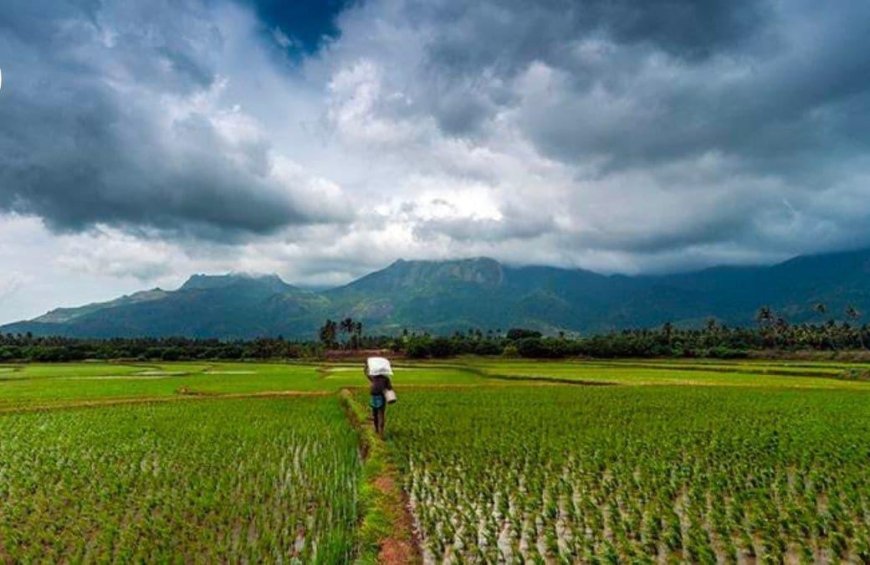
(631, 474)
(224, 480)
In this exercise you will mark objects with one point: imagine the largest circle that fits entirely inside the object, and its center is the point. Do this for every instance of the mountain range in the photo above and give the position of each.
(444, 296)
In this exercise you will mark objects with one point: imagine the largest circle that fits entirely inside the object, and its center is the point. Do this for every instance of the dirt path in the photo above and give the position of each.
(402, 546)
(386, 532)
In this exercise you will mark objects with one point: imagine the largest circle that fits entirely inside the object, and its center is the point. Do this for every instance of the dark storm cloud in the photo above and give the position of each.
(779, 111)
(626, 128)
(472, 42)
(105, 119)
(646, 82)
(734, 124)
(510, 33)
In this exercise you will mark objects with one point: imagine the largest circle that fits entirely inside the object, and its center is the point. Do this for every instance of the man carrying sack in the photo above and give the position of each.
(379, 371)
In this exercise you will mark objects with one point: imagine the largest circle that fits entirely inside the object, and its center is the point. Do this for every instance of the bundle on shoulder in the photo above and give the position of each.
(379, 366)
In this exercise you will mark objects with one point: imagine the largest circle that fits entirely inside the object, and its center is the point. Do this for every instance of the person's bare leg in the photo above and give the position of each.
(383, 421)
(379, 422)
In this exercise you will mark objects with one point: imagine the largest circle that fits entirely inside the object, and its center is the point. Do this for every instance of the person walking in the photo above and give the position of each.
(379, 373)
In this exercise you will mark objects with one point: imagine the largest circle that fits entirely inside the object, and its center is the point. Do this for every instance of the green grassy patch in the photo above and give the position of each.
(683, 460)
(668, 373)
(217, 481)
(381, 504)
(635, 474)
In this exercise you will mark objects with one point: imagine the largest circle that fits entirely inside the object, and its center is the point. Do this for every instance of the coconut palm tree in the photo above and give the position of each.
(765, 318)
(346, 326)
(328, 333)
(712, 325)
(357, 334)
(853, 314)
(781, 328)
(668, 331)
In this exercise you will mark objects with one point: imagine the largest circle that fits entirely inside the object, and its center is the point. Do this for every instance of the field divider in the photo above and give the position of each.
(543, 379)
(819, 373)
(540, 379)
(385, 533)
(159, 399)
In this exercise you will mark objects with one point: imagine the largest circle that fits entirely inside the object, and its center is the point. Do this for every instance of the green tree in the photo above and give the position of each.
(765, 318)
(328, 333)
(853, 314)
(668, 332)
(357, 335)
(346, 326)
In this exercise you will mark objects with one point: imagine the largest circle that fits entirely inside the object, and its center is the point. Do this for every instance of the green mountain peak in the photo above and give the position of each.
(480, 292)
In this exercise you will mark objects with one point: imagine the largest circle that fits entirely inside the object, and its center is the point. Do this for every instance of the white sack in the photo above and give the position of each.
(379, 366)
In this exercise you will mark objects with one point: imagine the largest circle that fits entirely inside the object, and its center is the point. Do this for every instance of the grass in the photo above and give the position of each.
(407, 374)
(686, 460)
(57, 384)
(228, 480)
(41, 385)
(382, 513)
(634, 474)
(819, 375)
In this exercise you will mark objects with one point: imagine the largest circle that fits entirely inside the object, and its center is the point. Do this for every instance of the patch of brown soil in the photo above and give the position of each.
(385, 483)
(396, 552)
(401, 546)
(396, 548)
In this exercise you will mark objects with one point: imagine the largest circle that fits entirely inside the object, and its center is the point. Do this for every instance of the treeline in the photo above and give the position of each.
(713, 341)
(771, 334)
(25, 347)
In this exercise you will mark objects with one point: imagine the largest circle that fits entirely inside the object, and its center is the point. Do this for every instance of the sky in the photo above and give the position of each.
(142, 142)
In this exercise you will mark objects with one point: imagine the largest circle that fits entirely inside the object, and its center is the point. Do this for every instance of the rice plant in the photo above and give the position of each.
(216, 481)
(567, 474)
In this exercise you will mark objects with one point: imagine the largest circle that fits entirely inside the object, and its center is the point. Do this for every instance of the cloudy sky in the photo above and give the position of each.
(141, 142)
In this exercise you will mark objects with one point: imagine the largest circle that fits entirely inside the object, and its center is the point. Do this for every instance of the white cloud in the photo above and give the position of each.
(106, 251)
(10, 283)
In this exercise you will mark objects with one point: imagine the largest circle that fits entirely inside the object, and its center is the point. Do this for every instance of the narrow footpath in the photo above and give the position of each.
(385, 534)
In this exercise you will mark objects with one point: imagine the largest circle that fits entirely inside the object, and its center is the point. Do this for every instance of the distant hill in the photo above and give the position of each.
(443, 296)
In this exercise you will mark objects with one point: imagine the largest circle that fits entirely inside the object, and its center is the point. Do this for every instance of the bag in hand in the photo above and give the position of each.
(390, 396)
